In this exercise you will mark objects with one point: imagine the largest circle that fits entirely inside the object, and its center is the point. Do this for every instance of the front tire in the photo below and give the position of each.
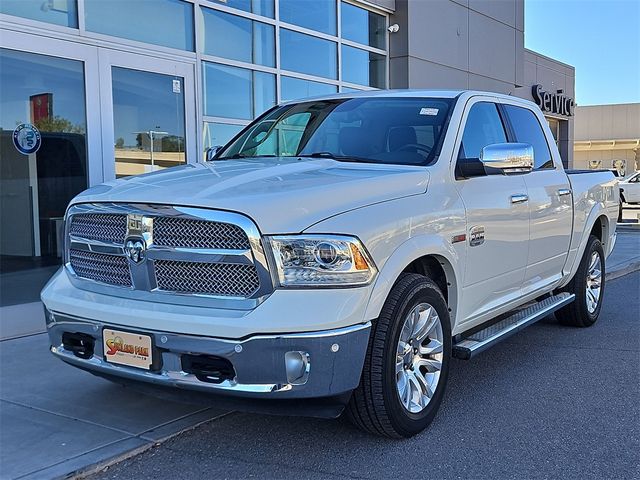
(588, 286)
(407, 363)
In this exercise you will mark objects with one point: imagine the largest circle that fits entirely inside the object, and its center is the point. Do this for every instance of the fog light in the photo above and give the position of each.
(297, 365)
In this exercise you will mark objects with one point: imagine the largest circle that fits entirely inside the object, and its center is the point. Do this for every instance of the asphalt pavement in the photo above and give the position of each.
(551, 401)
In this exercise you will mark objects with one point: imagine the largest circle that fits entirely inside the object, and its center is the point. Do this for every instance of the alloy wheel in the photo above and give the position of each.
(594, 282)
(419, 356)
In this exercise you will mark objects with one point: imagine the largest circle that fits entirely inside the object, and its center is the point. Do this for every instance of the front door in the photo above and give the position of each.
(497, 222)
(148, 108)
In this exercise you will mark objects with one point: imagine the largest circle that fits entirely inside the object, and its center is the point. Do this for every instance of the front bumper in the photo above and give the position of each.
(335, 359)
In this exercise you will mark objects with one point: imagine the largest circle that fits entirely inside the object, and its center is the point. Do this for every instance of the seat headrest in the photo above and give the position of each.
(401, 136)
(353, 141)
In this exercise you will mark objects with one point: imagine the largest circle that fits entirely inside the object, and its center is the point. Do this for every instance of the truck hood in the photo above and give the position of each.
(282, 195)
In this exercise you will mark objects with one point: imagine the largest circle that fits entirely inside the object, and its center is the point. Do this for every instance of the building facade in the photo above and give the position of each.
(92, 90)
(608, 136)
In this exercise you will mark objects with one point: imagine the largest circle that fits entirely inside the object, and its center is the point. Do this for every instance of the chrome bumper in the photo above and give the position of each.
(334, 359)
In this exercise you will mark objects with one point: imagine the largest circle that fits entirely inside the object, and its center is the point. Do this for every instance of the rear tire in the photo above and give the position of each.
(407, 363)
(588, 285)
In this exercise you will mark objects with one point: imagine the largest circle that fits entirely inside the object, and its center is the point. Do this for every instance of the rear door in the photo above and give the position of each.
(497, 220)
(550, 202)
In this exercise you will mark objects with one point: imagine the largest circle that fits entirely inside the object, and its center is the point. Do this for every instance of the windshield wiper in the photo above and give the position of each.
(340, 158)
(236, 156)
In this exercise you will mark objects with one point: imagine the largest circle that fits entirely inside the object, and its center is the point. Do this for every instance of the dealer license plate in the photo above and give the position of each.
(125, 348)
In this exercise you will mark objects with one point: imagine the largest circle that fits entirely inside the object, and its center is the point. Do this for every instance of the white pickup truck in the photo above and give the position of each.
(335, 255)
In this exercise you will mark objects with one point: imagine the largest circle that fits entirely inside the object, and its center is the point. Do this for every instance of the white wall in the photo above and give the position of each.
(458, 44)
(596, 126)
(608, 122)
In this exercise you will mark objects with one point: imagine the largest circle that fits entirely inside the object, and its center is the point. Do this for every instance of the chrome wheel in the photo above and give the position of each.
(594, 282)
(419, 357)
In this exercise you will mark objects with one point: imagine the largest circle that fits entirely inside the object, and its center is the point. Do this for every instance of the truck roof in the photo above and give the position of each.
(398, 93)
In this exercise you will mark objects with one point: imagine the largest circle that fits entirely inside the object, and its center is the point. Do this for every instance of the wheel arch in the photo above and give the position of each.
(426, 256)
(600, 229)
(597, 224)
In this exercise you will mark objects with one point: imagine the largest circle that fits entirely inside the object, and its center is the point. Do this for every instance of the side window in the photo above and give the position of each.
(527, 129)
(484, 127)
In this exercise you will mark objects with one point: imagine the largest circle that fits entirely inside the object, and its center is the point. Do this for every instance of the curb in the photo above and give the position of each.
(631, 268)
(99, 467)
(628, 227)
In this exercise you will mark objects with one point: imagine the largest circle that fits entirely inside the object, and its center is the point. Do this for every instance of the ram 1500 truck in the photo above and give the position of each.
(335, 255)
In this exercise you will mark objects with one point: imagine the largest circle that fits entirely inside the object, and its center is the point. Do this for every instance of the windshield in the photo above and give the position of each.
(404, 131)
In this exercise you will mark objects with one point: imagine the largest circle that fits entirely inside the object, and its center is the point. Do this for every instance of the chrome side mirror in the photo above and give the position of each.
(507, 158)
(212, 152)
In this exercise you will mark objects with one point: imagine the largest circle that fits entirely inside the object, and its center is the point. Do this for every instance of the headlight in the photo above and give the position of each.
(321, 260)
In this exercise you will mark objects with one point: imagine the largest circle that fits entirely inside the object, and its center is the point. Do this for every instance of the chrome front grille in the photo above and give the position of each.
(109, 269)
(203, 255)
(190, 233)
(210, 278)
(103, 227)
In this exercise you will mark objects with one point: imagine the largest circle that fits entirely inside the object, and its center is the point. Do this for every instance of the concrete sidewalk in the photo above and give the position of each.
(625, 257)
(56, 420)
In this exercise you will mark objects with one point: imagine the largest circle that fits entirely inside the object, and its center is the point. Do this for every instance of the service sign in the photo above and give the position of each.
(557, 103)
(127, 348)
(27, 138)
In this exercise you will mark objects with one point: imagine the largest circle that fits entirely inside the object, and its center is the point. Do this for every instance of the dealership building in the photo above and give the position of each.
(608, 136)
(113, 88)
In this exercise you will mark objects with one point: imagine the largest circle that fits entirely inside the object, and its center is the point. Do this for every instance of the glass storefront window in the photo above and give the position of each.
(296, 88)
(259, 7)
(554, 125)
(59, 12)
(236, 92)
(314, 15)
(363, 67)
(307, 54)
(168, 23)
(362, 26)
(35, 188)
(264, 92)
(227, 91)
(219, 133)
(350, 90)
(237, 38)
(148, 121)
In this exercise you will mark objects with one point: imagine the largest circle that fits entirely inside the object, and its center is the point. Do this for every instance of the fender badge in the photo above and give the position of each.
(476, 235)
(459, 238)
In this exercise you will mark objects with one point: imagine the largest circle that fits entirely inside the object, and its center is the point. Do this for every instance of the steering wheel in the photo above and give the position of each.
(417, 146)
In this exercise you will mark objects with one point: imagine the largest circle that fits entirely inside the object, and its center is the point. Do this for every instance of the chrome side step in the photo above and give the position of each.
(488, 337)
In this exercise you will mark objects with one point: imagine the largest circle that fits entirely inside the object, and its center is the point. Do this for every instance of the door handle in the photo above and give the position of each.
(519, 198)
(564, 191)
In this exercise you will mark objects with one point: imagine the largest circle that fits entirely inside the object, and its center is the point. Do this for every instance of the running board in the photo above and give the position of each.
(477, 342)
